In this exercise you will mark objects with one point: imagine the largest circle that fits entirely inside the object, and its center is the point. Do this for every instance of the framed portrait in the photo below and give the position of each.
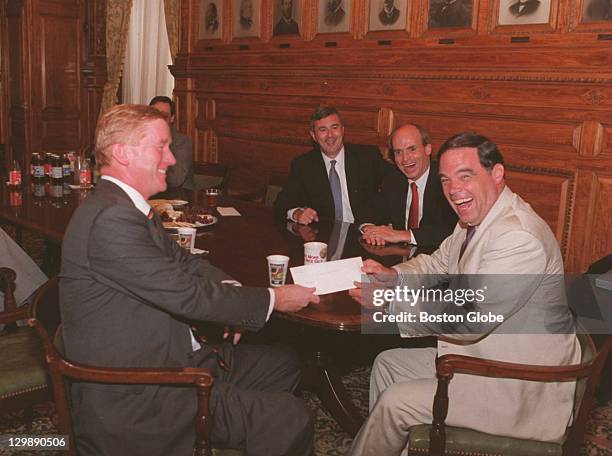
(521, 12)
(524, 16)
(597, 11)
(246, 18)
(334, 16)
(591, 16)
(454, 14)
(384, 15)
(287, 18)
(210, 19)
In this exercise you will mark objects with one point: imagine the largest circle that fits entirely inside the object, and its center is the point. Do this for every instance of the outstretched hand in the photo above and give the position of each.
(292, 298)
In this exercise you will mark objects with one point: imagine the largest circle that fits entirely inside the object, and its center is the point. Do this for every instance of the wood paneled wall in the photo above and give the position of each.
(54, 59)
(546, 99)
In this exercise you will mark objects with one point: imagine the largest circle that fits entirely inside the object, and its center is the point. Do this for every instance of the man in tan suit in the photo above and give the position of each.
(501, 246)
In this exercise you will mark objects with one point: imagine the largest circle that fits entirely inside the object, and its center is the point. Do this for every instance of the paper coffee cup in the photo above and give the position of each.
(277, 269)
(315, 252)
(186, 238)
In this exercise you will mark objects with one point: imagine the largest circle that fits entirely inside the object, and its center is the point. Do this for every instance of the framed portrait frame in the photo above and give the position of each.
(332, 18)
(525, 17)
(590, 16)
(246, 19)
(387, 18)
(448, 18)
(211, 24)
(286, 27)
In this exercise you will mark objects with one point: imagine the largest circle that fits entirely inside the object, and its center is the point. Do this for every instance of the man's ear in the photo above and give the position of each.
(312, 135)
(121, 154)
(498, 172)
(428, 149)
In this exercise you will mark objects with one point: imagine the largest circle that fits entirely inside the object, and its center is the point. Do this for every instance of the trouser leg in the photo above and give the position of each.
(253, 405)
(402, 388)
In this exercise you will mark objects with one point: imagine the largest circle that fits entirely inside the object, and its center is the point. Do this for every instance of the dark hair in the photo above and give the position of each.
(321, 112)
(488, 153)
(164, 99)
(425, 138)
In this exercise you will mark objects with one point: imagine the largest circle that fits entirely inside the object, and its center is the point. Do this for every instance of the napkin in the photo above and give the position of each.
(228, 211)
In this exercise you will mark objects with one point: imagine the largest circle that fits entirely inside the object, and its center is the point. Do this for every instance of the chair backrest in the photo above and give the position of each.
(10, 313)
(276, 182)
(46, 320)
(210, 175)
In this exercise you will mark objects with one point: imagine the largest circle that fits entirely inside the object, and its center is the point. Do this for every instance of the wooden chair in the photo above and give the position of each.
(23, 380)
(437, 439)
(276, 182)
(210, 175)
(46, 319)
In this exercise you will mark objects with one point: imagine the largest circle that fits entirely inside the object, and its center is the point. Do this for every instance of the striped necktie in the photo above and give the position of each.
(334, 183)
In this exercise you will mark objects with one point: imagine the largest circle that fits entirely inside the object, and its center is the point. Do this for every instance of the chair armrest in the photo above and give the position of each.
(21, 313)
(448, 365)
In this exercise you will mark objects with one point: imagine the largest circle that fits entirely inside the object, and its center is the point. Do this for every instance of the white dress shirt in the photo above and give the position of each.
(144, 207)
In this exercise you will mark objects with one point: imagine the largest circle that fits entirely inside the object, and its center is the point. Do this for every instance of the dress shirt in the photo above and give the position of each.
(144, 207)
(421, 182)
(347, 212)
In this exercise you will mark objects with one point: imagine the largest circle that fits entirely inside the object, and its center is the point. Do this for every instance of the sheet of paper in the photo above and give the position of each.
(228, 211)
(329, 277)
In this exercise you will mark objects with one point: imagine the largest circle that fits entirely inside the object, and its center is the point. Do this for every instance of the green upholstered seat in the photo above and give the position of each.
(466, 442)
(22, 366)
(226, 452)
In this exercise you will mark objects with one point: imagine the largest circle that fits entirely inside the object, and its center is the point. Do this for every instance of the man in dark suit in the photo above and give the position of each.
(389, 14)
(181, 174)
(524, 7)
(413, 189)
(127, 292)
(313, 191)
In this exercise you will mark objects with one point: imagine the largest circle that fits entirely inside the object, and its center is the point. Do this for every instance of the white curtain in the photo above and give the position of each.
(145, 72)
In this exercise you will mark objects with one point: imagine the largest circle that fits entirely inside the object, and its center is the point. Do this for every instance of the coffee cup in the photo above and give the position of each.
(186, 238)
(277, 269)
(315, 252)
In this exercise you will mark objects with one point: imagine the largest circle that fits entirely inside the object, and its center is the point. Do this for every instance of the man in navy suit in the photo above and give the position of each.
(308, 195)
(415, 185)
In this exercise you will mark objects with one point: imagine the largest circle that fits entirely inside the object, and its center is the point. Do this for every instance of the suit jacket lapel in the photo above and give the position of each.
(322, 182)
(401, 204)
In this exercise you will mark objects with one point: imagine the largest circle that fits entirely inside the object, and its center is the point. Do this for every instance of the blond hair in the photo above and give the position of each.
(122, 124)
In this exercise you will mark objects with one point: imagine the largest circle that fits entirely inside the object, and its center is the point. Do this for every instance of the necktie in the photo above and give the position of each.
(334, 183)
(468, 237)
(413, 214)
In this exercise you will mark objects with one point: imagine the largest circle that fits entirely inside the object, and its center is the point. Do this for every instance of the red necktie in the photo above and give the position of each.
(468, 237)
(413, 214)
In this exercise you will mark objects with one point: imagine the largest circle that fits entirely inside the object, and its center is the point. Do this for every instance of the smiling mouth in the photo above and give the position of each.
(463, 203)
(409, 165)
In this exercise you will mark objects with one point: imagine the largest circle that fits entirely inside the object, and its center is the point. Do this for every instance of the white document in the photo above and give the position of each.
(228, 211)
(329, 277)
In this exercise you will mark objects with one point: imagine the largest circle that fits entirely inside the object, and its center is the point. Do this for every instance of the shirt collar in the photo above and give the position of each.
(339, 159)
(138, 200)
(422, 181)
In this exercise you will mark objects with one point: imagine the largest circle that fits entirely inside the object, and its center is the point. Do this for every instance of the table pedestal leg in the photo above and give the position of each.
(324, 380)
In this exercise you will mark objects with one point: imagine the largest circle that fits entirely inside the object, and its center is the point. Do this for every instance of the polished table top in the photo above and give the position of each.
(238, 245)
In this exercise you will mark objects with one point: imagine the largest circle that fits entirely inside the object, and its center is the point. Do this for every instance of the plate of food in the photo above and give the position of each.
(188, 218)
(161, 205)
